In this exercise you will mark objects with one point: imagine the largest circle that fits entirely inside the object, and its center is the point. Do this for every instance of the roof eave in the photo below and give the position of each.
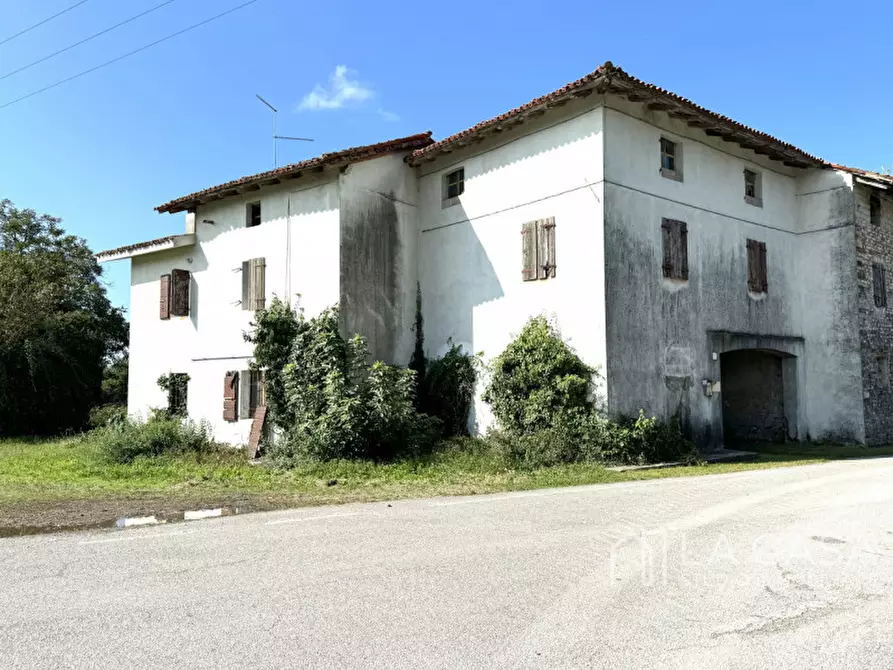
(145, 248)
(611, 79)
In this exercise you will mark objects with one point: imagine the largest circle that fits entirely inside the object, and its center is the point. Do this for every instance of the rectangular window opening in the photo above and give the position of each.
(538, 249)
(257, 391)
(253, 214)
(177, 393)
(254, 284)
(453, 186)
(874, 208)
(670, 159)
(883, 368)
(675, 243)
(879, 277)
(757, 271)
(753, 188)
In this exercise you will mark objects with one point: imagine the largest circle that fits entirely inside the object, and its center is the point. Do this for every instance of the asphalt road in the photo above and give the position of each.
(787, 568)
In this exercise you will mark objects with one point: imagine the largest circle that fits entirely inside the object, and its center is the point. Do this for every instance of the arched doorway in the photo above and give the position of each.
(753, 396)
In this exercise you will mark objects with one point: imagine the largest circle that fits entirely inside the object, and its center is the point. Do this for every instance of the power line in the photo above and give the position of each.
(40, 23)
(127, 55)
(86, 39)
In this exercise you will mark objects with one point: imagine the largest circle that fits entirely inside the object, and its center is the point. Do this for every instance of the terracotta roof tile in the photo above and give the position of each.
(612, 79)
(886, 178)
(270, 177)
(161, 241)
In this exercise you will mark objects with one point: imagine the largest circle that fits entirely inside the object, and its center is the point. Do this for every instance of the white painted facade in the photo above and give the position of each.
(366, 234)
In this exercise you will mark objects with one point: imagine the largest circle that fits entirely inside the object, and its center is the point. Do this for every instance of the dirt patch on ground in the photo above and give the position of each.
(31, 517)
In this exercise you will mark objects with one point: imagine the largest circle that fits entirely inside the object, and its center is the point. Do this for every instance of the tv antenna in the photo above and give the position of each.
(279, 137)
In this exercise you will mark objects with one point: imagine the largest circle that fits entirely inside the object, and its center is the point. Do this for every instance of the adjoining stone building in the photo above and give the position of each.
(711, 271)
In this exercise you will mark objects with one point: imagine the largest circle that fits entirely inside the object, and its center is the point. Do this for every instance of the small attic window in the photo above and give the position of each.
(753, 188)
(874, 208)
(253, 214)
(453, 187)
(670, 159)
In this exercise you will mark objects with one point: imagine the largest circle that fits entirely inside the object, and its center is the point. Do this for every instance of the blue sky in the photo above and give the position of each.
(103, 150)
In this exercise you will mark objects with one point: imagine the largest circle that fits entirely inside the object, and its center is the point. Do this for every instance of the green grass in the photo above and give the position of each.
(75, 469)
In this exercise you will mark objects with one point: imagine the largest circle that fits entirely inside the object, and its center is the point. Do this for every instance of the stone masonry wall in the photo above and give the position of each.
(874, 244)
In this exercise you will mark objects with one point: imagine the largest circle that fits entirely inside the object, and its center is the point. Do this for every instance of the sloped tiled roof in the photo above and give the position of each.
(295, 170)
(885, 180)
(611, 79)
(159, 244)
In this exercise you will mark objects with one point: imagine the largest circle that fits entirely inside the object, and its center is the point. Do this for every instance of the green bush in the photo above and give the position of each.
(446, 389)
(103, 415)
(330, 403)
(124, 441)
(647, 440)
(536, 379)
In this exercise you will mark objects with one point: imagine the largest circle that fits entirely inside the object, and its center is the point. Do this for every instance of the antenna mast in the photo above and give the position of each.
(278, 137)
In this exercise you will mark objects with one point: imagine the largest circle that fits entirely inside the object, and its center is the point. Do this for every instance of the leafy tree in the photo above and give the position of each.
(114, 381)
(57, 326)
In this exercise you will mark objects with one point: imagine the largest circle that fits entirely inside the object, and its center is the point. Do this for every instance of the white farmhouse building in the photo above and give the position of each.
(711, 271)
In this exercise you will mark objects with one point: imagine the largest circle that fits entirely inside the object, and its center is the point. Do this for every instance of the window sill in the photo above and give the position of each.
(757, 295)
(449, 202)
(671, 174)
(756, 202)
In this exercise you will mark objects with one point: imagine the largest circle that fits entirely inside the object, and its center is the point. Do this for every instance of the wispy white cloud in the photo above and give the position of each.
(388, 115)
(342, 91)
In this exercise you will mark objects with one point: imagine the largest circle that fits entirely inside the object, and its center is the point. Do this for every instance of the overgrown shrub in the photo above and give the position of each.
(446, 389)
(537, 379)
(329, 402)
(106, 414)
(541, 393)
(128, 439)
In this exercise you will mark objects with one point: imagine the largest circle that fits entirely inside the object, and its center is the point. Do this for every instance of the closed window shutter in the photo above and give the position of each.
(258, 283)
(528, 251)
(667, 234)
(764, 270)
(541, 246)
(879, 276)
(683, 250)
(165, 298)
(180, 293)
(246, 285)
(230, 393)
(550, 261)
(245, 394)
(752, 266)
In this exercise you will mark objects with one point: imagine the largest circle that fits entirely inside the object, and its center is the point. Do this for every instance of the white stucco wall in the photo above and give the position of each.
(298, 237)
(470, 253)
(659, 342)
(379, 255)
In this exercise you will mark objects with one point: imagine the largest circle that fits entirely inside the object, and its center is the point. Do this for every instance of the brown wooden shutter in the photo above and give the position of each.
(667, 234)
(541, 246)
(258, 283)
(879, 277)
(230, 386)
(179, 293)
(528, 251)
(550, 263)
(165, 298)
(752, 266)
(764, 270)
(683, 250)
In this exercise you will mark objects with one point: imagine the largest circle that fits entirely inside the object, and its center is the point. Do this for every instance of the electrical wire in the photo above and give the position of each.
(127, 55)
(86, 39)
(40, 23)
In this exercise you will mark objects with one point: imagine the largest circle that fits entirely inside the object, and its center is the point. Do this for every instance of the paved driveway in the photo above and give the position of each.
(780, 569)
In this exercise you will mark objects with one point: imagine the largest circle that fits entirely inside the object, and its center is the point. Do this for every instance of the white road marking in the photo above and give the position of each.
(202, 514)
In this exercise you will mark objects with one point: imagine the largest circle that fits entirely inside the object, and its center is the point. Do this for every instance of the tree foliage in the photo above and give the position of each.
(326, 400)
(57, 326)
